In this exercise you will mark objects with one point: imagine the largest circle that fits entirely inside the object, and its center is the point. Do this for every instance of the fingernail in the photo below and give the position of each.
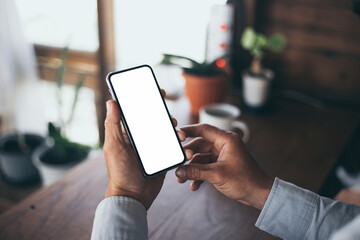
(180, 173)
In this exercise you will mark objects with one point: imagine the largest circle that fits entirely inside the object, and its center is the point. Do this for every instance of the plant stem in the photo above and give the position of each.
(256, 67)
(78, 86)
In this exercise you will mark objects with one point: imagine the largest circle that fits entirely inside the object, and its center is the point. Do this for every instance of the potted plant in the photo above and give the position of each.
(15, 157)
(205, 83)
(58, 154)
(257, 80)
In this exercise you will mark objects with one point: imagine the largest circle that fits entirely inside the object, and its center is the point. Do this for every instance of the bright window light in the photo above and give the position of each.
(60, 23)
(146, 29)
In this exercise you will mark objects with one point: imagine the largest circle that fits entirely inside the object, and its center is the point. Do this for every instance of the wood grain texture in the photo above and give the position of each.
(72, 77)
(65, 210)
(328, 76)
(83, 62)
(295, 142)
(317, 40)
(301, 15)
(323, 51)
(320, 3)
(11, 194)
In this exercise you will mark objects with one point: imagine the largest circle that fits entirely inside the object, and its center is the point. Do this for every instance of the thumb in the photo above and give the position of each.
(112, 113)
(112, 121)
(195, 171)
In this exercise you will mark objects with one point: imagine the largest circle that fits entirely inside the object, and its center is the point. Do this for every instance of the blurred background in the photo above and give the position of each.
(55, 55)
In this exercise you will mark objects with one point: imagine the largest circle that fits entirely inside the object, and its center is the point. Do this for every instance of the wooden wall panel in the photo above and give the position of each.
(318, 40)
(322, 57)
(320, 3)
(334, 19)
(335, 78)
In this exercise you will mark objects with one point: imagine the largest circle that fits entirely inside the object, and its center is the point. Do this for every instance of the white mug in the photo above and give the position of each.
(224, 116)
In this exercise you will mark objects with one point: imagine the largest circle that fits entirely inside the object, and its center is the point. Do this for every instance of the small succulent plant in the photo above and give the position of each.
(257, 44)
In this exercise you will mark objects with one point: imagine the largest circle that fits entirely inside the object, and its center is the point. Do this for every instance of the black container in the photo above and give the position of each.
(16, 165)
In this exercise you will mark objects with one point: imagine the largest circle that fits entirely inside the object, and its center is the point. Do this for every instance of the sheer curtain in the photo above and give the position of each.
(20, 103)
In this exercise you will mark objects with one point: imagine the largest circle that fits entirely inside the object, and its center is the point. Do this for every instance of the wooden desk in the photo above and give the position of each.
(295, 142)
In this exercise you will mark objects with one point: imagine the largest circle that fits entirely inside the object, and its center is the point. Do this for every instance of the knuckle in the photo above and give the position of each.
(233, 136)
(107, 123)
(205, 126)
(106, 147)
(195, 172)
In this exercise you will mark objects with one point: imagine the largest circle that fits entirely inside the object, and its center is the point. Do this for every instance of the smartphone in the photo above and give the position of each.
(146, 119)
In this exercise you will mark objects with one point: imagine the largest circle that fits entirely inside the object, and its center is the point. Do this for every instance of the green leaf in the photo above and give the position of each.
(54, 132)
(65, 149)
(170, 58)
(248, 39)
(253, 42)
(276, 42)
(257, 43)
(261, 41)
(194, 67)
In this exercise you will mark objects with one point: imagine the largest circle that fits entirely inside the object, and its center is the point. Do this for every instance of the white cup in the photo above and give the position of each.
(224, 116)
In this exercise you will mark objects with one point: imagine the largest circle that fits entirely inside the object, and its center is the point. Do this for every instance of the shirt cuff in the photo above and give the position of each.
(120, 218)
(288, 211)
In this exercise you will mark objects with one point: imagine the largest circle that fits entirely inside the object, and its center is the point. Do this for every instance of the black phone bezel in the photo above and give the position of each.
(123, 119)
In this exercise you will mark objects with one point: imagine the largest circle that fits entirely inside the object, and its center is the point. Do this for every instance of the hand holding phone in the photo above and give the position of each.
(125, 177)
(154, 140)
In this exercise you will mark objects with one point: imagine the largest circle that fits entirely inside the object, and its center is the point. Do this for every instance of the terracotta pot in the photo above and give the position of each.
(204, 90)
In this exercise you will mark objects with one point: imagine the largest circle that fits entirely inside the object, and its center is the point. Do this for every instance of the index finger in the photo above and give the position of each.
(206, 131)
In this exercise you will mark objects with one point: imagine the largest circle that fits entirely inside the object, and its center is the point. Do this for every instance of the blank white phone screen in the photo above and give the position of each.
(148, 121)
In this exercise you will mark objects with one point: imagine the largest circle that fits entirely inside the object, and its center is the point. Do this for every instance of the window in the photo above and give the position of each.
(146, 29)
(61, 23)
(52, 25)
(143, 31)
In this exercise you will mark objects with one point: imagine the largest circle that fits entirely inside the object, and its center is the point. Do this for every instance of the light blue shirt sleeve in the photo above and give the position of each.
(120, 218)
(291, 212)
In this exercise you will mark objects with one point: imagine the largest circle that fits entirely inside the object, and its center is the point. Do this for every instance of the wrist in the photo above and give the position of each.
(263, 193)
(116, 191)
(260, 193)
